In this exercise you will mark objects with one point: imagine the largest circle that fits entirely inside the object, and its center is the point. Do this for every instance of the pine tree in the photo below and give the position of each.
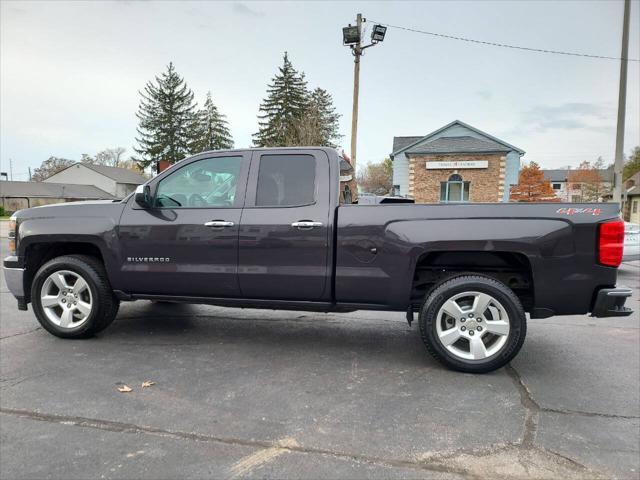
(212, 131)
(287, 101)
(632, 164)
(167, 119)
(321, 105)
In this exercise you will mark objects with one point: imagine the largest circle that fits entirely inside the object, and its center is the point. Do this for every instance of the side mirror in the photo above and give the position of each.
(143, 196)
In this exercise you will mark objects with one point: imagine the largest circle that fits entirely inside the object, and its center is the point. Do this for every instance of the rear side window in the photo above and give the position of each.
(286, 180)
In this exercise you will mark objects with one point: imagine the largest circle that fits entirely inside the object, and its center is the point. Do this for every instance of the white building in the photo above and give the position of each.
(119, 182)
(571, 191)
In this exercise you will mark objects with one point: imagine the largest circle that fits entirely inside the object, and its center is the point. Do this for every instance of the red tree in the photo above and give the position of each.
(532, 186)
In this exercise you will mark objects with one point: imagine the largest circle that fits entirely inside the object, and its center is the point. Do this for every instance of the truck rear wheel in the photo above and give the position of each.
(72, 298)
(473, 323)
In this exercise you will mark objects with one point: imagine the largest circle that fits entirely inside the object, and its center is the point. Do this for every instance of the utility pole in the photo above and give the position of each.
(29, 173)
(357, 53)
(622, 100)
(11, 169)
(352, 36)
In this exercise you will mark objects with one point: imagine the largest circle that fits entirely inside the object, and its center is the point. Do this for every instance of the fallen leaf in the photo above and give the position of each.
(125, 389)
(147, 383)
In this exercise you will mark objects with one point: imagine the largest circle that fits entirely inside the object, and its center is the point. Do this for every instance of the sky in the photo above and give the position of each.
(70, 72)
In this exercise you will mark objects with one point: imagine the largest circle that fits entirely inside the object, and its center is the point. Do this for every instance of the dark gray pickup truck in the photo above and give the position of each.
(271, 228)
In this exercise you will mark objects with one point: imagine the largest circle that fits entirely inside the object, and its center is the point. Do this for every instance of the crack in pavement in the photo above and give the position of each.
(21, 333)
(589, 414)
(4, 382)
(529, 403)
(512, 460)
(121, 427)
(532, 409)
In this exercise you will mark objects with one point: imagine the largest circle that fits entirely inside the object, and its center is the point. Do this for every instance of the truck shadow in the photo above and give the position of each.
(270, 332)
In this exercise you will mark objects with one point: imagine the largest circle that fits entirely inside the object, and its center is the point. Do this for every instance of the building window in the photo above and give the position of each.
(576, 198)
(634, 206)
(454, 190)
(396, 190)
(556, 186)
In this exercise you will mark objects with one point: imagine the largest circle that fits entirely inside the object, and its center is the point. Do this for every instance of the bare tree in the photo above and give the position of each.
(375, 178)
(111, 157)
(49, 167)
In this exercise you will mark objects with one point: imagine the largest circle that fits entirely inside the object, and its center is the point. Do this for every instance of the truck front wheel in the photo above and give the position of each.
(473, 323)
(72, 298)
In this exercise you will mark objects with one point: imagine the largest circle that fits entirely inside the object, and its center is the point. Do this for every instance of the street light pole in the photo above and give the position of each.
(352, 37)
(357, 53)
(622, 100)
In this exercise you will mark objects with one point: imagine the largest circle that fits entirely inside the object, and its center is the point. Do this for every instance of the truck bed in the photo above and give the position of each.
(384, 252)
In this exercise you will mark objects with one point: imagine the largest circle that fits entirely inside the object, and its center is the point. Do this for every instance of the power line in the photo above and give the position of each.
(504, 45)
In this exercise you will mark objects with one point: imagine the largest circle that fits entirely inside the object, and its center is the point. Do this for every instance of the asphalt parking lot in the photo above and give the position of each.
(264, 394)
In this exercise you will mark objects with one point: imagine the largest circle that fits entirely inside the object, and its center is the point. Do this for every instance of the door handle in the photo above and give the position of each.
(219, 224)
(306, 225)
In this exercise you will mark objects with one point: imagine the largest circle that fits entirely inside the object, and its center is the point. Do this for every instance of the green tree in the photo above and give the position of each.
(167, 119)
(286, 103)
(212, 129)
(632, 165)
(49, 167)
(328, 120)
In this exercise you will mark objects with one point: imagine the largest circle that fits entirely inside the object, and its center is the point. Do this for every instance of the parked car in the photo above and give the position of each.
(265, 228)
(631, 242)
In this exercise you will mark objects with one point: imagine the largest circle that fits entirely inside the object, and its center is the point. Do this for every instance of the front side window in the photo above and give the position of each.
(286, 180)
(454, 190)
(208, 183)
(557, 186)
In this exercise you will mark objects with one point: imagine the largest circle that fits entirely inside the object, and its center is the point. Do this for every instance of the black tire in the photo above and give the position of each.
(92, 270)
(473, 283)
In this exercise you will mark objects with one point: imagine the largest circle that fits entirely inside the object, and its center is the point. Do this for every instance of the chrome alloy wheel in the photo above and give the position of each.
(472, 325)
(66, 299)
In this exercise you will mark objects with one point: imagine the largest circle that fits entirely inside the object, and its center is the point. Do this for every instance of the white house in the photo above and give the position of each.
(119, 182)
(571, 191)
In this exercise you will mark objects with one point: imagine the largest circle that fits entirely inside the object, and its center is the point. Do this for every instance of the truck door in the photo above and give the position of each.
(283, 249)
(187, 243)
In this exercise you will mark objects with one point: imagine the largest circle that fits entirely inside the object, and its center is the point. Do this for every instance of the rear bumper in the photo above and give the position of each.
(610, 302)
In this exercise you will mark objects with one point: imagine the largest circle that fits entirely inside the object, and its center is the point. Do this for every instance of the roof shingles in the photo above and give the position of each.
(463, 144)
(120, 175)
(52, 190)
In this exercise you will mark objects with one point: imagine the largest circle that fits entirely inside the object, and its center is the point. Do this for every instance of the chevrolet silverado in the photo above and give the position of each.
(271, 228)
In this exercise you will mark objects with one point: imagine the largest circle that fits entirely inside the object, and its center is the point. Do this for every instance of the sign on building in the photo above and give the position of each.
(457, 165)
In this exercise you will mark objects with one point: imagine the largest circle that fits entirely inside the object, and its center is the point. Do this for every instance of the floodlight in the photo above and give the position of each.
(350, 35)
(378, 32)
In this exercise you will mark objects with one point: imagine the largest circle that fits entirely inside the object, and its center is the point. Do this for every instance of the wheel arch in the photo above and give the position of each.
(37, 253)
(514, 269)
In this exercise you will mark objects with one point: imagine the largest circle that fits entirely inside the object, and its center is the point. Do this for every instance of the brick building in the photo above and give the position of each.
(456, 163)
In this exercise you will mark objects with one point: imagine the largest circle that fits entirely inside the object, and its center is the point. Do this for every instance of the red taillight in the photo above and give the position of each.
(610, 243)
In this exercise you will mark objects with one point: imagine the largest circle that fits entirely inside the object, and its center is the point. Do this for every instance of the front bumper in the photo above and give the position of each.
(14, 277)
(610, 302)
